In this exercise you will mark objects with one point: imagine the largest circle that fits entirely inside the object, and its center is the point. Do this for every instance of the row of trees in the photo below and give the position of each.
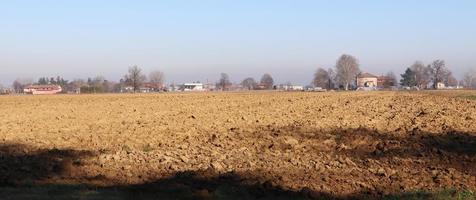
(266, 83)
(344, 74)
(249, 83)
(134, 78)
(421, 76)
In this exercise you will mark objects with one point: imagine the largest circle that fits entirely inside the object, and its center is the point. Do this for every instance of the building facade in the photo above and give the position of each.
(192, 87)
(367, 80)
(43, 89)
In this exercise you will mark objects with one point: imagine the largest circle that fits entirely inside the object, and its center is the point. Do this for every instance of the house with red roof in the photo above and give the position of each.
(367, 80)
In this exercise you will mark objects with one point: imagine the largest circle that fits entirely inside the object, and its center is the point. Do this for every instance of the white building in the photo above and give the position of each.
(440, 85)
(296, 87)
(290, 87)
(192, 87)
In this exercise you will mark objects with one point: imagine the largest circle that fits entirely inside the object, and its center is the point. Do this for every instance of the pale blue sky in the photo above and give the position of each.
(196, 40)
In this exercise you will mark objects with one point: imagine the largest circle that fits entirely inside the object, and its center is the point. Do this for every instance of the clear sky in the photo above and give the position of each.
(197, 39)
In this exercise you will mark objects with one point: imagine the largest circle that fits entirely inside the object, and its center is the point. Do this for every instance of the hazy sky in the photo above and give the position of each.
(196, 40)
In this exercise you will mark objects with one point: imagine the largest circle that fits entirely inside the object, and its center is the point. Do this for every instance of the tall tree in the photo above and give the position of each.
(267, 81)
(43, 81)
(332, 78)
(421, 74)
(157, 79)
(322, 78)
(469, 79)
(249, 83)
(438, 72)
(450, 80)
(2, 89)
(224, 83)
(52, 81)
(20, 84)
(135, 78)
(76, 85)
(408, 78)
(391, 80)
(347, 68)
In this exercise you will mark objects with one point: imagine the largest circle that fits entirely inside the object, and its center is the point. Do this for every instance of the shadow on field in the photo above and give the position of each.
(199, 185)
(22, 164)
(211, 185)
(448, 149)
(32, 174)
(28, 173)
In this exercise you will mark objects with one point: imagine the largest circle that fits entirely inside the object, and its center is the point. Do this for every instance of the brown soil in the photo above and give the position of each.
(336, 145)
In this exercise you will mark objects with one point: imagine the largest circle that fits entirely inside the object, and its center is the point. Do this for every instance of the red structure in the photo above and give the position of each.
(385, 81)
(43, 89)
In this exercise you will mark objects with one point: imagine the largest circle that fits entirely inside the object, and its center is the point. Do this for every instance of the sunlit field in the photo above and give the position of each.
(243, 145)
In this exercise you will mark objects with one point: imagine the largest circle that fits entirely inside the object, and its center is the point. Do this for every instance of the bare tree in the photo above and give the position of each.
(347, 68)
(17, 86)
(421, 74)
(450, 80)
(438, 72)
(332, 78)
(267, 81)
(97, 84)
(20, 84)
(469, 79)
(249, 83)
(391, 80)
(134, 78)
(157, 79)
(76, 85)
(322, 78)
(224, 83)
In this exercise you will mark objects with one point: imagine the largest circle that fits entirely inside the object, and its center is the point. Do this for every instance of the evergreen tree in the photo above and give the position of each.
(408, 78)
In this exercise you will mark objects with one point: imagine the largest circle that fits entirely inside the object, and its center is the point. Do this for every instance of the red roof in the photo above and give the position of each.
(43, 87)
(366, 75)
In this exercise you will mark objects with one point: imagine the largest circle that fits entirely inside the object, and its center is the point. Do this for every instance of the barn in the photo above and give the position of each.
(43, 89)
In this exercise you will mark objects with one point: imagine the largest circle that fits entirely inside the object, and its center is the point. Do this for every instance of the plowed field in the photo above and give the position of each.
(309, 145)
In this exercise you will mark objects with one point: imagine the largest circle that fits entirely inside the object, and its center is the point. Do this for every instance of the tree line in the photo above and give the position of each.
(344, 74)
(134, 79)
(341, 76)
(421, 76)
(266, 83)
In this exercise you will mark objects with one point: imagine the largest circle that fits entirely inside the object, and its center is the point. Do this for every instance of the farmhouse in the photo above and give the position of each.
(42, 89)
(367, 80)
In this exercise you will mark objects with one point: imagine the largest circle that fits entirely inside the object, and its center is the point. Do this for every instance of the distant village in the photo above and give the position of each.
(346, 75)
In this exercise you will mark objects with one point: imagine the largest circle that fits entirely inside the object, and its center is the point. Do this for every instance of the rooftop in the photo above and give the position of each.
(366, 75)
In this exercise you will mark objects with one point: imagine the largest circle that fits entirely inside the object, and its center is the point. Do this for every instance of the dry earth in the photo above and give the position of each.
(336, 145)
